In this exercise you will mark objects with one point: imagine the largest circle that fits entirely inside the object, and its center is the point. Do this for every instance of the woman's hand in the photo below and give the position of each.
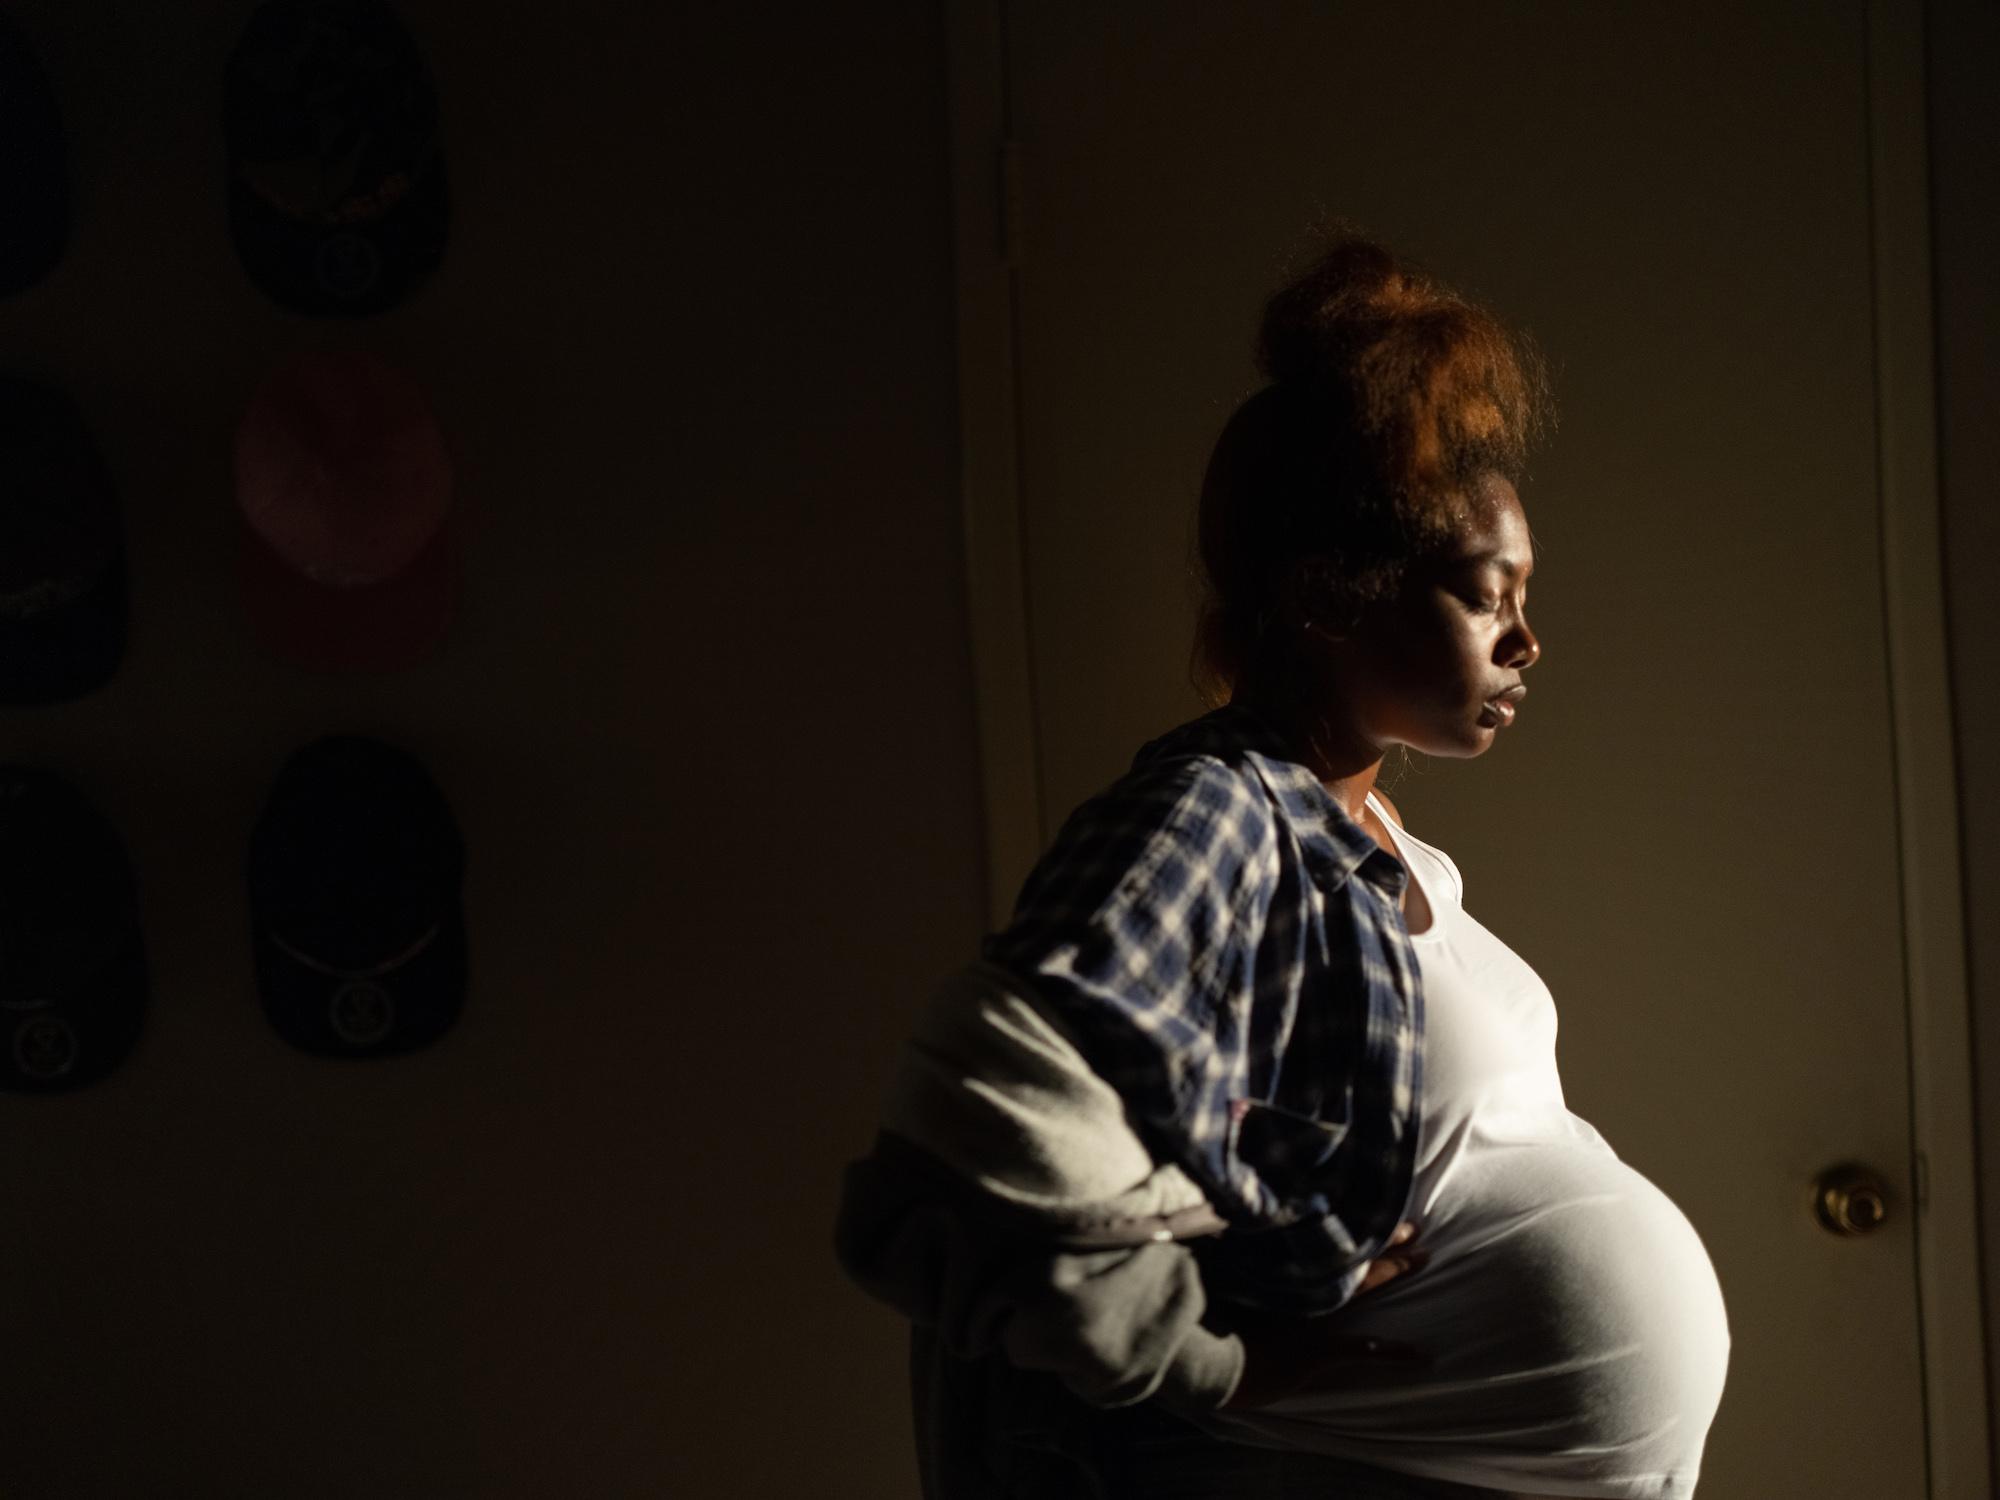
(1398, 1258)
(1283, 1355)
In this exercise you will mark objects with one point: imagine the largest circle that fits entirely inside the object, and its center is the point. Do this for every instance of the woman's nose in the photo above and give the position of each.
(1519, 649)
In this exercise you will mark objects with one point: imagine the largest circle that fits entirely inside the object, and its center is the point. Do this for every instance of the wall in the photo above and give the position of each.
(1965, 188)
(706, 721)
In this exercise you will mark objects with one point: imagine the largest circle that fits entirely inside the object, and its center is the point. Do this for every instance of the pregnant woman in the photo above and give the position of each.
(1246, 1132)
(1574, 1330)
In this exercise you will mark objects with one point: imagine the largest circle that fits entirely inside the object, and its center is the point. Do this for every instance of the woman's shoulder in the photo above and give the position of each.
(1210, 761)
(1196, 800)
(1173, 825)
(1231, 753)
(1388, 808)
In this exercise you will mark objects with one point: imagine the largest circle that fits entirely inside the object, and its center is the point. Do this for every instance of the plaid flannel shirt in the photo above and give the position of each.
(1229, 948)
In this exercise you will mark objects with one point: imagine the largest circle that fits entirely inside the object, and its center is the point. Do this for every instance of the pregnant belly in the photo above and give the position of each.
(1576, 1337)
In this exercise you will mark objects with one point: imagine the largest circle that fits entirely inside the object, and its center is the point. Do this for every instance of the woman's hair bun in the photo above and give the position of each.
(1350, 292)
(1441, 389)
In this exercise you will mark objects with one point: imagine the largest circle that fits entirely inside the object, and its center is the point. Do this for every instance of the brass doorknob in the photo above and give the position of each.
(1850, 1200)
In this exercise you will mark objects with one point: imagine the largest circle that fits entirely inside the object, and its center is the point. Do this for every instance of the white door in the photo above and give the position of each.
(1693, 833)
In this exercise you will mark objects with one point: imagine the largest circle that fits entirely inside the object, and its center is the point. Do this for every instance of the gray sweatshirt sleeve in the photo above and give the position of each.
(1115, 1325)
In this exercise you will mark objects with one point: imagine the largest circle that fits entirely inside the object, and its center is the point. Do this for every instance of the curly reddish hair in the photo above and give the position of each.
(1391, 399)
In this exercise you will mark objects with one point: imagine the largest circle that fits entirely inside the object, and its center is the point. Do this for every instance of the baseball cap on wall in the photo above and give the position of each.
(62, 554)
(345, 485)
(72, 958)
(34, 175)
(337, 195)
(355, 871)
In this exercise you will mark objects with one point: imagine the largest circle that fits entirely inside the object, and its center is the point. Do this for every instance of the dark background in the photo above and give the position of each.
(706, 720)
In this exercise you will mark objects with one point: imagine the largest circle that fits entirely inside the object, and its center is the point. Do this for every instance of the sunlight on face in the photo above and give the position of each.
(1439, 667)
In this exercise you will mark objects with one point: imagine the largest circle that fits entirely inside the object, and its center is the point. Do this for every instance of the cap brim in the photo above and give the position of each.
(79, 1037)
(415, 1004)
(70, 650)
(372, 627)
(352, 270)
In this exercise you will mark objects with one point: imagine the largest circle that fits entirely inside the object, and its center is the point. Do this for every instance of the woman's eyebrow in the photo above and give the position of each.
(1501, 560)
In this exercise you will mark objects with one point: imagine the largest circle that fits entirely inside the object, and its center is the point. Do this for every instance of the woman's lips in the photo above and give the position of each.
(1498, 711)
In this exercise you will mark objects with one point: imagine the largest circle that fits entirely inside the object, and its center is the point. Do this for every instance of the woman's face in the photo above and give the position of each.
(1439, 667)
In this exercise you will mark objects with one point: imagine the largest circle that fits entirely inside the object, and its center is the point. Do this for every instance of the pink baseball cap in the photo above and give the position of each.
(345, 486)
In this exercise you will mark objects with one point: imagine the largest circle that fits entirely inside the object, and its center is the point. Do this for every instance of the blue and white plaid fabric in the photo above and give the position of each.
(1229, 948)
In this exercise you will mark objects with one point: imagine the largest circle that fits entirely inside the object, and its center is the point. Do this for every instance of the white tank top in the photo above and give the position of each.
(1575, 1332)
(1490, 1075)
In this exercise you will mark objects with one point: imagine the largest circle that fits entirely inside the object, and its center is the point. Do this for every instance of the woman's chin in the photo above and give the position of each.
(1461, 742)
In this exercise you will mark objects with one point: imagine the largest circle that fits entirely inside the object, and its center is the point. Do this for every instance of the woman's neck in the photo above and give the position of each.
(1351, 792)
(1345, 764)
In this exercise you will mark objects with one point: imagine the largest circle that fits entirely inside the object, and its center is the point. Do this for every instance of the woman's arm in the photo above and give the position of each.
(1115, 1326)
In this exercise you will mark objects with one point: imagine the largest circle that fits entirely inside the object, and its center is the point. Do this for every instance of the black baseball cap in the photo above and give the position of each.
(337, 195)
(72, 957)
(34, 175)
(356, 866)
(62, 553)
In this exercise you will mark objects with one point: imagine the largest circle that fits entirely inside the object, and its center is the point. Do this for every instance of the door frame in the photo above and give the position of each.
(987, 213)
(1932, 885)
(991, 242)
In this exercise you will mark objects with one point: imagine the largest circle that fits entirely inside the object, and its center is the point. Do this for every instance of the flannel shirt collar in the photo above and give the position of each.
(1333, 846)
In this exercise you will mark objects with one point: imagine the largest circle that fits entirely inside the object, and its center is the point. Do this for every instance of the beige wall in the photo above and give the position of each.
(706, 720)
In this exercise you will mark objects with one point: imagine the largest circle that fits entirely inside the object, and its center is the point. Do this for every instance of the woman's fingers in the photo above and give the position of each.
(1383, 1268)
(1286, 1355)
(1399, 1259)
